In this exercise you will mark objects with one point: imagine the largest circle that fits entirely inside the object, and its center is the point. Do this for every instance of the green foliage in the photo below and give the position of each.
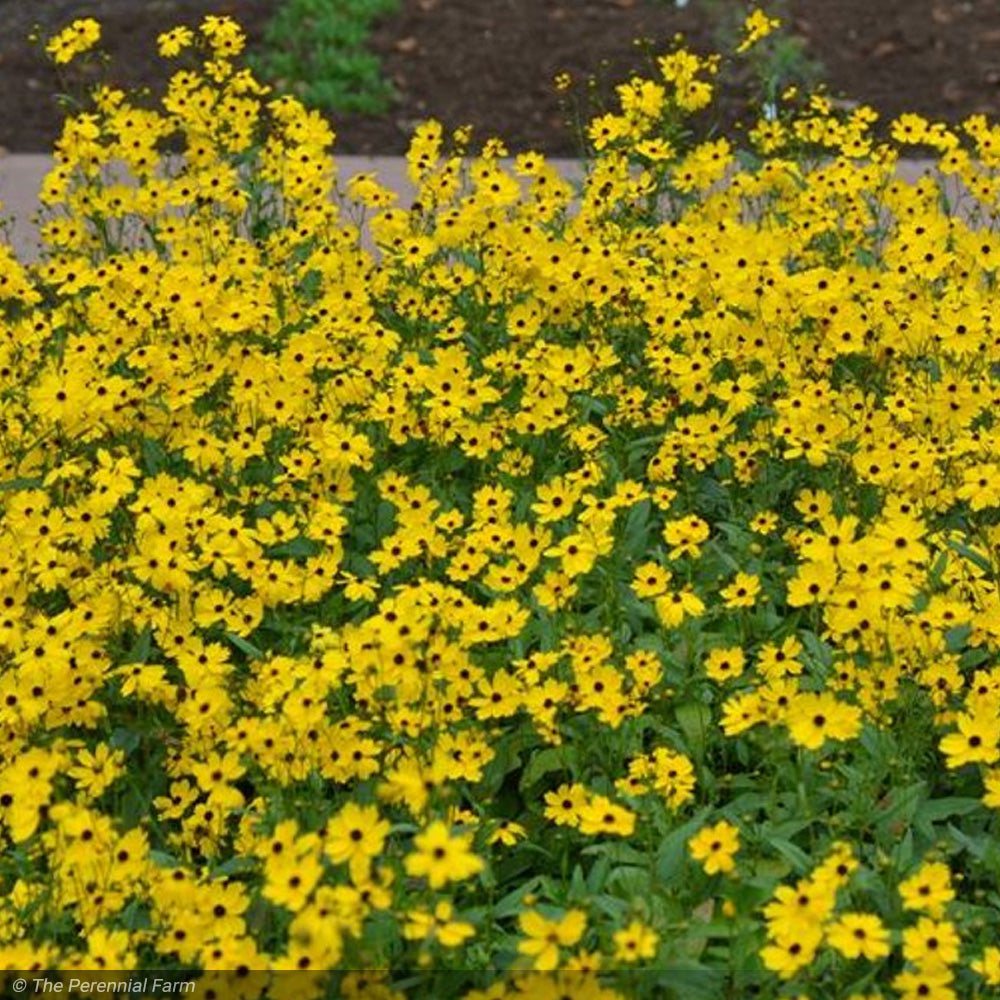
(316, 49)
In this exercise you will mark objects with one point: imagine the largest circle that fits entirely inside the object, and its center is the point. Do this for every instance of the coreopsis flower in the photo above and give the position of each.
(650, 580)
(635, 942)
(602, 816)
(977, 740)
(722, 665)
(96, 771)
(931, 943)
(686, 536)
(790, 906)
(991, 787)
(439, 925)
(988, 966)
(925, 984)
(73, 40)
(172, 43)
(928, 889)
(715, 847)
(674, 606)
(442, 857)
(812, 584)
(756, 27)
(356, 836)
(507, 832)
(815, 717)
(859, 935)
(764, 523)
(742, 592)
(787, 954)
(545, 937)
(565, 804)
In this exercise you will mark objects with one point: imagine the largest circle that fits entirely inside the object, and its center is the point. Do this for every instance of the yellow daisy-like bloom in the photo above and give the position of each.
(859, 935)
(546, 937)
(724, 664)
(635, 942)
(172, 43)
(813, 718)
(988, 966)
(73, 40)
(928, 889)
(757, 27)
(742, 592)
(439, 925)
(931, 943)
(441, 857)
(715, 847)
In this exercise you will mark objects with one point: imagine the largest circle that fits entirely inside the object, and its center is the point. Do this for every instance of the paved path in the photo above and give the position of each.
(21, 177)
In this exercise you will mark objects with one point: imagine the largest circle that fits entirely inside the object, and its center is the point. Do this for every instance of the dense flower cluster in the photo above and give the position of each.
(583, 582)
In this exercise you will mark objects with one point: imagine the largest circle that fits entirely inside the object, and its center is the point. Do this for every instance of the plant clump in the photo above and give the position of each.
(581, 591)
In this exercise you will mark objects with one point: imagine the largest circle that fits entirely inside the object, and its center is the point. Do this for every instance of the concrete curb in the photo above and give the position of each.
(21, 178)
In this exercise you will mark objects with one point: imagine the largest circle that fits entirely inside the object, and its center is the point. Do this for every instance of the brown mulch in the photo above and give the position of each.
(490, 63)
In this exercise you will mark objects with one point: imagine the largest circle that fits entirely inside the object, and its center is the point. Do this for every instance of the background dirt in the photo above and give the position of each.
(490, 63)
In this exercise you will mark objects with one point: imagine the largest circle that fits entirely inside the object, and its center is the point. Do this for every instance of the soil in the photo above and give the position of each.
(491, 63)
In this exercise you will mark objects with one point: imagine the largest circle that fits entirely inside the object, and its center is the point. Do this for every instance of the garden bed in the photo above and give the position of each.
(599, 602)
(491, 63)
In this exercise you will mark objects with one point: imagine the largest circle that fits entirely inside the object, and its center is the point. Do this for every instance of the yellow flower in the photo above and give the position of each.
(931, 943)
(422, 925)
(565, 804)
(813, 718)
(546, 937)
(172, 43)
(756, 27)
(929, 888)
(78, 37)
(742, 592)
(788, 953)
(722, 665)
(650, 580)
(715, 847)
(355, 836)
(602, 816)
(507, 833)
(977, 740)
(441, 857)
(635, 942)
(988, 966)
(859, 935)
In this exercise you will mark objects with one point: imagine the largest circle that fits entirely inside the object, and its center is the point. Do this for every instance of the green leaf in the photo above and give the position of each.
(141, 648)
(695, 720)
(235, 866)
(545, 762)
(21, 484)
(934, 810)
(794, 855)
(124, 739)
(298, 548)
(513, 902)
(816, 647)
(245, 647)
(163, 859)
(900, 809)
(957, 637)
(620, 854)
(154, 456)
(598, 875)
(672, 851)
(634, 536)
(976, 558)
